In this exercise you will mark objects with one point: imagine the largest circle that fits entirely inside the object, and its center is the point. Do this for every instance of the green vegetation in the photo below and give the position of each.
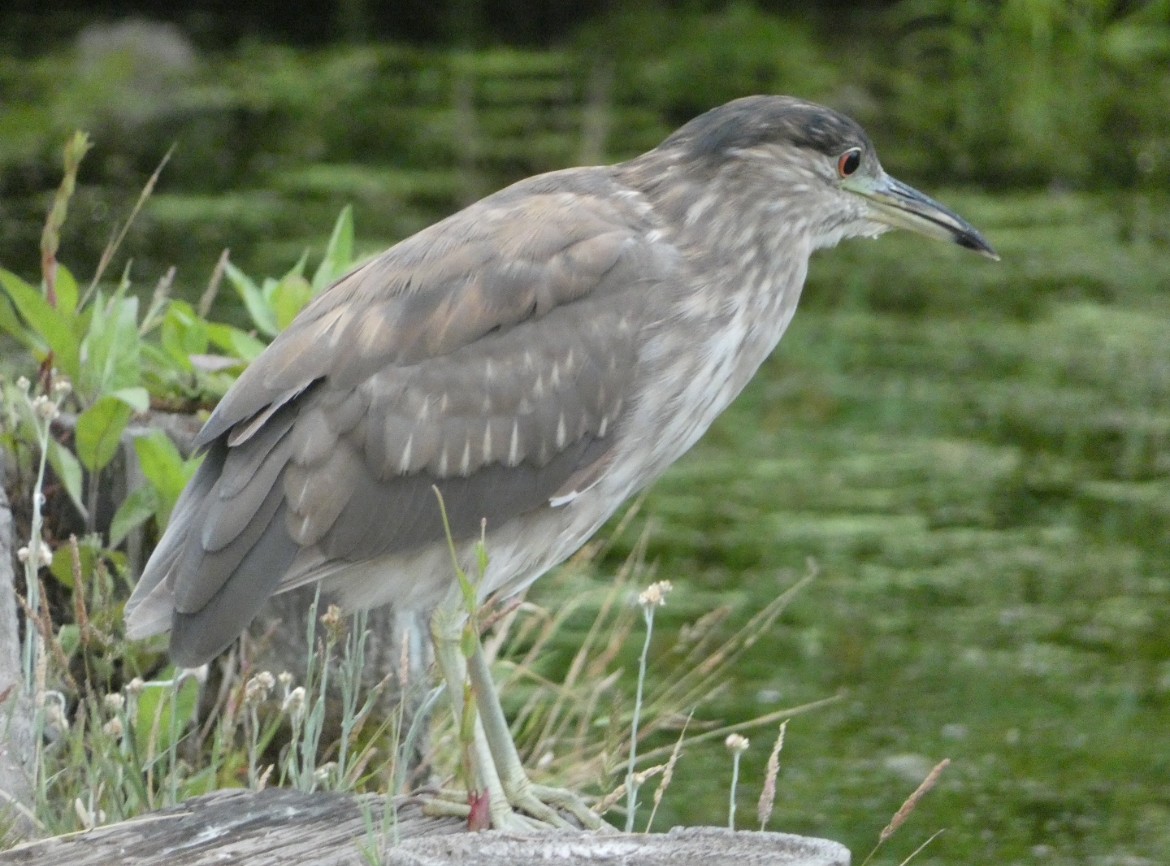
(974, 456)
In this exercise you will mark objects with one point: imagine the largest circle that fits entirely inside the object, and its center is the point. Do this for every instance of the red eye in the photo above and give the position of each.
(849, 162)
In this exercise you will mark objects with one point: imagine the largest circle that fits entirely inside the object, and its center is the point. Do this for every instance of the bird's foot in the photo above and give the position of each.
(532, 809)
(559, 800)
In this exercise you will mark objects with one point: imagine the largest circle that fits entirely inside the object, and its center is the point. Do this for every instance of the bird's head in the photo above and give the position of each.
(815, 166)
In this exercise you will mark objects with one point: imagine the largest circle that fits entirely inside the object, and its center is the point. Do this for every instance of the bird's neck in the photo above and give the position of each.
(742, 269)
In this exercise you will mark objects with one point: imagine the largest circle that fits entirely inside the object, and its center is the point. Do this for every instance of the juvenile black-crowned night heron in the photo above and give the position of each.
(537, 357)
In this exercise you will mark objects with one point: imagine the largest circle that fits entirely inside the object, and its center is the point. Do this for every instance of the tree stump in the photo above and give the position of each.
(280, 827)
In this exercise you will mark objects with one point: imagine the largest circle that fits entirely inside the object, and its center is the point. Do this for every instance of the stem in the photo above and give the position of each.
(734, 784)
(631, 787)
(32, 637)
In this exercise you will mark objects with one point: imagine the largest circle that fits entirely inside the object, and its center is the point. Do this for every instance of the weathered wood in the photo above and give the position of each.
(16, 710)
(278, 827)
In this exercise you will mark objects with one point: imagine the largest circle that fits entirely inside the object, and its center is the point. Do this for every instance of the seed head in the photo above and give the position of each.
(258, 688)
(655, 594)
(44, 554)
(736, 743)
(294, 702)
(334, 623)
(45, 409)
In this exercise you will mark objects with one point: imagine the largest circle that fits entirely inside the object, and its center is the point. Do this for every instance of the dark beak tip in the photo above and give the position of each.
(977, 244)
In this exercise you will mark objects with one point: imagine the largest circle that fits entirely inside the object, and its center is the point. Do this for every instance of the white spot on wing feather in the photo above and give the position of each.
(514, 444)
(404, 463)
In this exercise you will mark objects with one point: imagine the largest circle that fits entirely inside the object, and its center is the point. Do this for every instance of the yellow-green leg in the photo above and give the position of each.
(494, 762)
(537, 800)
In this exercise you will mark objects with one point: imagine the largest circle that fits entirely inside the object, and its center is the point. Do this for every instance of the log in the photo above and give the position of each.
(17, 732)
(280, 827)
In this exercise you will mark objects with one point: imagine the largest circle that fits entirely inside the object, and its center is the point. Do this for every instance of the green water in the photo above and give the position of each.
(977, 457)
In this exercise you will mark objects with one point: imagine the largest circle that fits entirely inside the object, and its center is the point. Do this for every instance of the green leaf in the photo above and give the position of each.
(137, 508)
(69, 636)
(69, 472)
(158, 701)
(66, 291)
(62, 567)
(183, 334)
(11, 324)
(262, 315)
(234, 341)
(338, 252)
(99, 430)
(165, 469)
(289, 298)
(51, 326)
(137, 398)
(112, 347)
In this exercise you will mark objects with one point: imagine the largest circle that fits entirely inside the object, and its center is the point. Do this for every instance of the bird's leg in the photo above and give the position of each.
(537, 800)
(482, 779)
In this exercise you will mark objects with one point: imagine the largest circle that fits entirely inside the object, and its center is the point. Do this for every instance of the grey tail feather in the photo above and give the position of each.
(152, 601)
(199, 636)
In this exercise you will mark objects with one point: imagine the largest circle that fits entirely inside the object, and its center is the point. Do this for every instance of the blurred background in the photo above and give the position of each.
(975, 455)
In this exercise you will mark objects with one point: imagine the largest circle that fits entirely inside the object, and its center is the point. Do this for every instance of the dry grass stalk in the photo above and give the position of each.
(921, 847)
(115, 242)
(912, 801)
(721, 733)
(768, 795)
(668, 773)
(613, 797)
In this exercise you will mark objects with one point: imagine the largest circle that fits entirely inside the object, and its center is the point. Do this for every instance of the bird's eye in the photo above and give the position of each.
(849, 162)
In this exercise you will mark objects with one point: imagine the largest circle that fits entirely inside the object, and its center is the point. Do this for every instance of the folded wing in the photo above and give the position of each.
(489, 356)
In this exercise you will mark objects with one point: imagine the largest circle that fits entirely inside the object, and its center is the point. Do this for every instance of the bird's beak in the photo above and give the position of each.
(900, 206)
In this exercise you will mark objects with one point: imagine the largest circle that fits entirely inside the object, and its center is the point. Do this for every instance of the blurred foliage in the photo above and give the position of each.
(1027, 92)
(107, 361)
(678, 65)
(272, 141)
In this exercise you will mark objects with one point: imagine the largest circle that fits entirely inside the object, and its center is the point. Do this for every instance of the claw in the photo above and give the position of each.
(478, 811)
